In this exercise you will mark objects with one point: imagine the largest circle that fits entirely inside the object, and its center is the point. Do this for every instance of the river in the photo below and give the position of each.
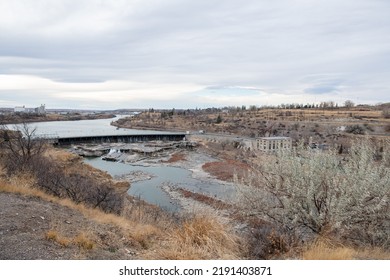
(148, 190)
(84, 128)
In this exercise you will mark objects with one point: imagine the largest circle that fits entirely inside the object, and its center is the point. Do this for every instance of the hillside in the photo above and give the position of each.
(321, 125)
(38, 225)
(33, 228)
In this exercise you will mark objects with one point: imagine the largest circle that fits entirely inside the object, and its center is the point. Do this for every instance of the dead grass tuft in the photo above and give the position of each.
(326, 250)
(83, 241)
(201, 237)
(53, 235)
(145, 235)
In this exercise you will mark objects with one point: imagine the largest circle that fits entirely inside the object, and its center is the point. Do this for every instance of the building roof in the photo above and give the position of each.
(276, 138)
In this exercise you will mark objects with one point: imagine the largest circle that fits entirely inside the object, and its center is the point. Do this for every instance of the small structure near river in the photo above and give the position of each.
(273, 144)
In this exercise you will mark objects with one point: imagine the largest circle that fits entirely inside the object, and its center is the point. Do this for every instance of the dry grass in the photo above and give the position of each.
(225, 170)
(325, 249)
(202, 237)
(176, 157)
(215, 203)
(22, 184)
(56, 237)
(146, 235)
(83, 241)
(373, 254)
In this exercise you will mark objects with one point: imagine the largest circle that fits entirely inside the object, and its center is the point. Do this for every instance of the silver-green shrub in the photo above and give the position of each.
(321, 192)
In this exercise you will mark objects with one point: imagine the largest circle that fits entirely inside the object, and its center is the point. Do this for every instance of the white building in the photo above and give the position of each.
(273, 144)
(20, 109)
(41, 110)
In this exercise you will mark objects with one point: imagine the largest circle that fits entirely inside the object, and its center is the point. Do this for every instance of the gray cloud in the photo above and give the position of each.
(342, 46)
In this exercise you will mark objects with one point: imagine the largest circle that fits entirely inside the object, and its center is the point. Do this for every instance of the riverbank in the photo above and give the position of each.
(29, 118)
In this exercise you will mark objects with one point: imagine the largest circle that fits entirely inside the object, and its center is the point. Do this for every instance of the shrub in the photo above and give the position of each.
(355, 129)
(313, 193)
(266, 240)
(22, 147)
(24, 153)
(81, 189)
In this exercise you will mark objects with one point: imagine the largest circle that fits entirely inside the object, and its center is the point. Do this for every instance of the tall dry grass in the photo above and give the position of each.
(327, 249)
(201, 237)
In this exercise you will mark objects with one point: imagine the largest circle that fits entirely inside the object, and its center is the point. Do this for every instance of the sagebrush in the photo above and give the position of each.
(309, 192)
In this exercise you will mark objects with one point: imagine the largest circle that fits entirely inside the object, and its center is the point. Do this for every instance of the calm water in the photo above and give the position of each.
(84, 128)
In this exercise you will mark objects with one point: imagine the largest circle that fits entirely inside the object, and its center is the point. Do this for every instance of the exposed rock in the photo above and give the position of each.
(135, 176)
(116, 151)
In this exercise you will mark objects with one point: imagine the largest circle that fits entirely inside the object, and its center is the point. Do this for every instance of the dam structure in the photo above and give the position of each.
(113, 138)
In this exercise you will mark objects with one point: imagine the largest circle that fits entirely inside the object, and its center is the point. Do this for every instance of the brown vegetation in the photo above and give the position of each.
(215, 203)
(176, 157)
(323, 125)
(201, 237)
(226, 170)
(328, 249)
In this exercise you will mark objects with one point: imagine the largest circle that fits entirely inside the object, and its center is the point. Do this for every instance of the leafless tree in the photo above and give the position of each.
(349, 104)
(21, 146)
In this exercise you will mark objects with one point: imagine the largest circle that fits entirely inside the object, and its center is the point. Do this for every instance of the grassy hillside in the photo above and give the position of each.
(78, 230)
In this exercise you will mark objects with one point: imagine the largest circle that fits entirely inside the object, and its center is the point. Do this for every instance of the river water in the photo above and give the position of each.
(148, 190)
(85, 128)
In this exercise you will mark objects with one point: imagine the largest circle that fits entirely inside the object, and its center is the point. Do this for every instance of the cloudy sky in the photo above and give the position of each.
(186, 54)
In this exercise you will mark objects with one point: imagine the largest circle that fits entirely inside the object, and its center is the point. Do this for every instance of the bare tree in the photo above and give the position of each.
(22, 146)
(349, 103)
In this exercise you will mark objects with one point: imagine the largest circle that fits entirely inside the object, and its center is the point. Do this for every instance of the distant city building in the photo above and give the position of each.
(41, 110)
(20, 109)
(273, 144)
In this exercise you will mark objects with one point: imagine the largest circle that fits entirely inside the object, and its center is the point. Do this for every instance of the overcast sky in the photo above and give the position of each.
(186, 54)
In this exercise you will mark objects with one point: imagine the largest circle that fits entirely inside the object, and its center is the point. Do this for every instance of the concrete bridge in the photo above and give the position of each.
(118, 138)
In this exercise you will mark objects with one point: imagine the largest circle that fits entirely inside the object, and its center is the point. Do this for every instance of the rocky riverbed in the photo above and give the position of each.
(131, 152)
(134, 176)
(157, 154)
